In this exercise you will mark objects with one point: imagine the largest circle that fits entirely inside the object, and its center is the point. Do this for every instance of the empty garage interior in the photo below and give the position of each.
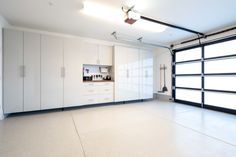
(117, 78)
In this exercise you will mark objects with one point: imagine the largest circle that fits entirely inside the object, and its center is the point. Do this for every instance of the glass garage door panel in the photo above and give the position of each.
(188, 95)
(221, 49)
(227, 83)
(221, 66)
(224, 100)
(187, 55)
(188, 81)
(188, 68)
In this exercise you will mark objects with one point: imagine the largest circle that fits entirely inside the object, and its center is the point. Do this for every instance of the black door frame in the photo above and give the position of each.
(203, 74)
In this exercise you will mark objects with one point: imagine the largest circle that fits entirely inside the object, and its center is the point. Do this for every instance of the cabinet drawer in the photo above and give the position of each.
(110, 84)
(106, 90)
(88, 99)
(105, 98)
(88, 84)
(90, 91)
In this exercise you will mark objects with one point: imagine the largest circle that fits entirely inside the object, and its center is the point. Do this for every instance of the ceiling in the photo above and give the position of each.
(65, 16)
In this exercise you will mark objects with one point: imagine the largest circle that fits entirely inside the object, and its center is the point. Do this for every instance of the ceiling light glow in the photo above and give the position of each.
(149, 26)
(116, 15)
(103, 12)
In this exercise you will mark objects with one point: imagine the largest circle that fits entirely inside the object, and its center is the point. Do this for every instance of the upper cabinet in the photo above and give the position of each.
(95, 54)
(90, 53)
(105, 55)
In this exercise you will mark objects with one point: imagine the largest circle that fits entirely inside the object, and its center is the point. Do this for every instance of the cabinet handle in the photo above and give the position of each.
(63, 70)
(146, 73)
(22, 71)
(127, 74)
(98, 61)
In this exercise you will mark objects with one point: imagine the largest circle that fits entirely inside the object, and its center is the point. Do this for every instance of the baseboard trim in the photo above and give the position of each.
(163, 97)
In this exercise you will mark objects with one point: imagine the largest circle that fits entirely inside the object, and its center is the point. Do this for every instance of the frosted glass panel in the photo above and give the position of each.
(221, 49)
(188, 68)
(188, 95)
(191, 54)
(189, 81)
(227, 83)
(221, 66)
(224, 100)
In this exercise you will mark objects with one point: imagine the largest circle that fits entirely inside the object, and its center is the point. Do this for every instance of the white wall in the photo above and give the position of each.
(3, 23)
(161, 57)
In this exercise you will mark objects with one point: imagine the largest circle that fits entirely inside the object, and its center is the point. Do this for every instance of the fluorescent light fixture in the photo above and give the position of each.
(116, 15)
(149, 26)
(103, 12)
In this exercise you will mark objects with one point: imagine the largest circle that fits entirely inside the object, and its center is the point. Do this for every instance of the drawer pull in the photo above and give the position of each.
(91, 91)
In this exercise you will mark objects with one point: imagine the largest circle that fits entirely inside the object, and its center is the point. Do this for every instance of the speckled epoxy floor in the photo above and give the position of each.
(144, 129)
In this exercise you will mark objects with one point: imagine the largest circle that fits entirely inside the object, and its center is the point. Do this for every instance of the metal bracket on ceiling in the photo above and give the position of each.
(114, 34)
(138, 41)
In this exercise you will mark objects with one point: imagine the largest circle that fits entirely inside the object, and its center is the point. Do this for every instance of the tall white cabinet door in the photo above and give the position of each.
(13, 71)
(32, 71)
(90, 53)
(73, 81)
(133, 80)
(51, 72)
(105, 55)
(121, 73)
(146, 74)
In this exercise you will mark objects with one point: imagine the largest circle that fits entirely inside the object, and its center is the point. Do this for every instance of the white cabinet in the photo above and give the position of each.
(31, 71)
(98, 92)
(133, 69)
(52, 72)
(95, 54)
(21, 71)
(105, 55)
(133, 74)
(73, 80)
(90, 53)
(121, 73)
(146, 87)
(127, 67)
(13, 71)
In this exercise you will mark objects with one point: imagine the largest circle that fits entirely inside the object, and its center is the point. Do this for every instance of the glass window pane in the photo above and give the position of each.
(224, 100)
(188, 95)
(191, 54)
(189, 81)
(227, 83)
(221, 49)
(221, 66)
(188, 68)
